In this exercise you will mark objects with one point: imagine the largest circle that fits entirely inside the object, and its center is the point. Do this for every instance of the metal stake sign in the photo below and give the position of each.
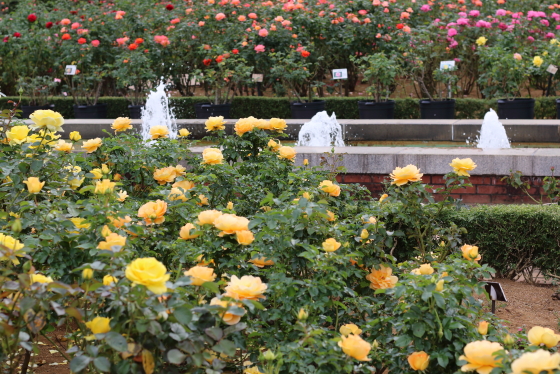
(496, 293)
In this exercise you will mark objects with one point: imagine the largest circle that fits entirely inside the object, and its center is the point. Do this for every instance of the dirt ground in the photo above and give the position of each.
(527, 306)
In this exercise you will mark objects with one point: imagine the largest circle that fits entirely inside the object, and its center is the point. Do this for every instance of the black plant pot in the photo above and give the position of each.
(516, 109)
(27, 110)
(306, 110)
(558, 108)
(98, 111)
(206, 110)
(376, 110)
(437, 109)
(135, 111)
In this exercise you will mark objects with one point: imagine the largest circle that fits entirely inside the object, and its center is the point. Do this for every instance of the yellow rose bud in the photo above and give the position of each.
(302, 314)
(200, 275)
(75, 136)
(305, 162)
(109, 280)
(99, 325)
(439, 285)
(330, 188)
(34, 185)
(508, 339)
(229, 205)
(483, 327)
(183, 133)
(269, 355)
(331, 245)
(87, 273)
(383, 197)
(39, 278)
(364, 234)
(419, 360)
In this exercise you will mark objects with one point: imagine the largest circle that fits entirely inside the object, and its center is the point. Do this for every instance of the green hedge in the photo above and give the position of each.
(268, 107)
(513, 239)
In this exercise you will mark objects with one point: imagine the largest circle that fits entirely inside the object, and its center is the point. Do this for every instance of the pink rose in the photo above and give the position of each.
(451, 32)
(95, 43)
(259, 48)
(220, 16)
(263, 32)
(501, 12)
(474, 13)
(425, 8)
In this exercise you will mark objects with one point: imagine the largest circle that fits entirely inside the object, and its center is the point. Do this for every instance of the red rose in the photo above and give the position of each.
(6, 39)
(400, 26)
(139, 41)
(17, 34)
(48, 25)
(73, 12)
(82, 41)
(66, 36)
(235, 51)
(207, 61)
(305, 53)
(169, 7)
(32, 17)
(219, 59)
(133, 46)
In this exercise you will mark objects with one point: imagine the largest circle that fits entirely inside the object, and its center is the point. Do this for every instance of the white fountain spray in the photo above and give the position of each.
(492, 134)
(157, 112)
(321, 131)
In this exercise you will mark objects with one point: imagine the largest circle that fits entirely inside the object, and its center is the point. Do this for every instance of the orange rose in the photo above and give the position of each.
(153, 212)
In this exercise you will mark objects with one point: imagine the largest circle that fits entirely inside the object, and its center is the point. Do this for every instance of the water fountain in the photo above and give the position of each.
(157, 112)
(492, 133)
(321, 131)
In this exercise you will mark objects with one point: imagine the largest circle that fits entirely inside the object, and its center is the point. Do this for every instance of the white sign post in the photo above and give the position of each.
(70, 70)
(340, 74)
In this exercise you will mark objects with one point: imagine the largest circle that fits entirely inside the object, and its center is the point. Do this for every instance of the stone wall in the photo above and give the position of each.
(486, 189)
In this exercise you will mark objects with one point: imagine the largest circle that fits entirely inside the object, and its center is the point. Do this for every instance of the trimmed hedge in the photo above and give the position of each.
(269, 107)
(513, 239)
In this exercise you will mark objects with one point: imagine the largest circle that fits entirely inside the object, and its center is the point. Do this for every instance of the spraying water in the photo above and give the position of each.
(157, 112)
(493, 134)
(321, 131)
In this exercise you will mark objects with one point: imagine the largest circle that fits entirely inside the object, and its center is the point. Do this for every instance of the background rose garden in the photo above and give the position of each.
(156, 260)
(121, 44)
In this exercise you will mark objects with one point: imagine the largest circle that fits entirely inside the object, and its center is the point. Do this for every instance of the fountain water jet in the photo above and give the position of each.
(321, 131)
(157, 112)
(492, 133)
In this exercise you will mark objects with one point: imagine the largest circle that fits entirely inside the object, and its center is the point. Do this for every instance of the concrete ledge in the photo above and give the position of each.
(519, 131)
(383, 160)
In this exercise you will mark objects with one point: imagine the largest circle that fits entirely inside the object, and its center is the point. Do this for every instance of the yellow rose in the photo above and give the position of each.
(99, 325)
(230, 224)
(252, 370)
(305, 162)
(121, 124)
(278, 124)
(261, 262)
(43, 137)
(330, 188)
(122, 195)
(92, 145)
(383, 197)
(331, 245)
(541, 335)
(479, 356)
(483, 327)
(330, 216)
(419, 361)
(185, 185)
(180, 170)
(481, 41)
(34, 185)
(183, 133)
(212, 156)
(364, 234)
(356, 347)
(245, 125)
(536, 362)
(153, 212)
(382, 278)
(409, 173)
(46, 119)
(227, 317)
(275, 146)
(159, 131)
(104, 187)
(200, 274)
(75, 136)
(439, 285)
(538, 61)
(229, 205)
(39, 278)
(462, 166)
(87, 273)
(185, 232)
(165, 175)
(263, 124)
(302, 314)
(208, 217)
(113, 239)
(11, 243)
(246, 288)
(119, 222)
(62, 146)
(287, 153)
(215, 123)
(75, 183)
(80, 223)
(426, 269)
(470, 252)
(17, 134)
(177, 194)
(148, 272)
(244, 237)
(109, 279)
(350, 328)
(97, 173)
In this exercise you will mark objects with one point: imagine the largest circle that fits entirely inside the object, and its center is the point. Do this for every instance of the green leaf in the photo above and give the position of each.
(226, 347)
(176, 357)
(212, 287)
(418, 329)
(36, 165)
(215, 333)
(183, 315)
(102, 364)
(403, 341)
(79, 363)
(116, 341)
